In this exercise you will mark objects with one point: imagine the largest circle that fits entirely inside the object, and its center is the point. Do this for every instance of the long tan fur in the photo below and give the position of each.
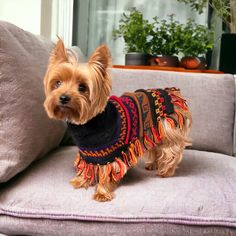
(166, 156)
(65, 75)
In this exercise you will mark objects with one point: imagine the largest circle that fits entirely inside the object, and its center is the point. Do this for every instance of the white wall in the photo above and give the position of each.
(48, 18)
(24, 13)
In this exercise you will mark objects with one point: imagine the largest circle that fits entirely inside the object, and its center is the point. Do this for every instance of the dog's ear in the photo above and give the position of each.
(98, 63)
(101, 59)
(58, 54)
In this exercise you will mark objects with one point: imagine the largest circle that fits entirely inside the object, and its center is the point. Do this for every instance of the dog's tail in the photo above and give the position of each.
(181, 119)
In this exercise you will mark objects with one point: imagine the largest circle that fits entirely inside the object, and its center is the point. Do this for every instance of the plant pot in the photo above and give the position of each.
(193, 62)
(137, 59)
(227, 62)
(204, 63)
(165, 61)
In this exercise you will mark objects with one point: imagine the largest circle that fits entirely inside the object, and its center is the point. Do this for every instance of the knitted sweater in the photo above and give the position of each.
(129, 125)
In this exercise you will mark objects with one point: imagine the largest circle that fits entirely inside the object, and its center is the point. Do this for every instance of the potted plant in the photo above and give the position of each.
(226, 10)
(196, 41)
(166, 41)
(136, 33)
(161, 41)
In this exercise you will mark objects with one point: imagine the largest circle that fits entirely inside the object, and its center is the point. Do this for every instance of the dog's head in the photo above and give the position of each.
(77, 91)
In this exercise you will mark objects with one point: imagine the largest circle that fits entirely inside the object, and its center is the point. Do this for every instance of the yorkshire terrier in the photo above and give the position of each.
(113, 132)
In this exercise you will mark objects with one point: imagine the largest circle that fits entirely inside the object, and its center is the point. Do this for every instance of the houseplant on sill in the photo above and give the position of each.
(161, 41)
(166, 40)
(136, 33)
(196, 41)
(226, 10)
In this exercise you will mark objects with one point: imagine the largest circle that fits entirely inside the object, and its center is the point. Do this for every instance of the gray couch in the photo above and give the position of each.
(36, 157)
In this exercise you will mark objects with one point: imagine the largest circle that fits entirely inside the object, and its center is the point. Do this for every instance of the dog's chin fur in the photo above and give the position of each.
(74, 112)
(88, 87)
(78, 113)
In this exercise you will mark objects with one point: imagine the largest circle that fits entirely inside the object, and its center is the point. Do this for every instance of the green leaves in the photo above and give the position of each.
(197, 39)
(222, 7)
(198, 5)
(135, 31)
(163, 37)
(166, 36)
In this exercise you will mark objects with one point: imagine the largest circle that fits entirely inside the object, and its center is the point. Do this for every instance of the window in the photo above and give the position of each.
(94, 20)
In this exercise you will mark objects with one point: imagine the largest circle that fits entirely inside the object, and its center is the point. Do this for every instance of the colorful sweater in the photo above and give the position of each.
(129, 125)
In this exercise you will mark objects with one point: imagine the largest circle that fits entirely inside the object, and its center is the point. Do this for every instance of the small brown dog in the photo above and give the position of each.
(113, 132)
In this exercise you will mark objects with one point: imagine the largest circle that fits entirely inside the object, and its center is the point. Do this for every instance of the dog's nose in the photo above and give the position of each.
(64, 99)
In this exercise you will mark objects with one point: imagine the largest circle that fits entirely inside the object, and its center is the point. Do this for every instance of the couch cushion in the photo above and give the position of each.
(202, 193)
(25, 226)
(210, 97)
(26, 133)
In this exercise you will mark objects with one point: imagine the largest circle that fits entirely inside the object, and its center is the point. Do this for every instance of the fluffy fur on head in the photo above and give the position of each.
(76, 92)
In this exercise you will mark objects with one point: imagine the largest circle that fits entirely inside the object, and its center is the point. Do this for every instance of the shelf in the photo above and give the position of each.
(176, 69)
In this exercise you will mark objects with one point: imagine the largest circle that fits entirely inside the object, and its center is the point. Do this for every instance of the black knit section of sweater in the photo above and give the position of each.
(106, 159)
(99, 132)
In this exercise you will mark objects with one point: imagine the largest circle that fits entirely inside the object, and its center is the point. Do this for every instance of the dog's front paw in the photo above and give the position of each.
(103, 194)
(102, 198)
(78, 182)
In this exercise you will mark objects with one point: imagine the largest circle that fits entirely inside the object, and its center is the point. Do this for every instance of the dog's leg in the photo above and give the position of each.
(80, 182)
(103, 193)
(85, 175)
(151, 163)
(168, 160)
(108, 178)
(169, 153)
(104, 187)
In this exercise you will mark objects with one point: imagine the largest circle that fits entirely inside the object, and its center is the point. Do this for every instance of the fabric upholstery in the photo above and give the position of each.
(210, 98)
(201, 193)
(39, 227)
(26, 133)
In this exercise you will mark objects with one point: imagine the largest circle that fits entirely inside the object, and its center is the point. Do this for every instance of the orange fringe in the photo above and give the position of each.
(161, 130)
(132, 155)
(115, 170)
(171, 122)
(156, 137)
(180, 104)
(108, 169)
(148, 143)
(125, 158)
(138, 148)
(178, 100)
(118, 175)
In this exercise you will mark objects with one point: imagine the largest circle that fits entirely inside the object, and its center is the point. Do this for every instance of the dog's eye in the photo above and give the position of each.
(58, 84)
(82, 88)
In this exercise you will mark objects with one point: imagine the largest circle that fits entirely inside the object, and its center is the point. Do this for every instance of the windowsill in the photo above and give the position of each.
(177, 69)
